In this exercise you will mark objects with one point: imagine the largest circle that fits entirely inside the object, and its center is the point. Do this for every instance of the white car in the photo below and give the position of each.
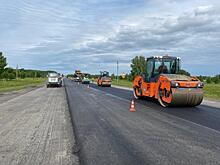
(54, 79)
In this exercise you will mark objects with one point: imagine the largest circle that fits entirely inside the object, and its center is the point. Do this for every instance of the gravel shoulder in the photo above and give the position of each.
(5, 96)
(35, 128)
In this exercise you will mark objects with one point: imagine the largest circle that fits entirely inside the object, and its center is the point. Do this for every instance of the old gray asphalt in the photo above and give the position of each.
(35, 128)
(109, 134)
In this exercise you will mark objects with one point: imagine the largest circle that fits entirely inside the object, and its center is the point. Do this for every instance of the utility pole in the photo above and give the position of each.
(117, 71)
(17, 71)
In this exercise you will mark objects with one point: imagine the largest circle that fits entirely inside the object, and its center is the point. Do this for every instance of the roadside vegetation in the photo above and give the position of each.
(16, 79)
(123, 83)
(212, 91)
(17, 84)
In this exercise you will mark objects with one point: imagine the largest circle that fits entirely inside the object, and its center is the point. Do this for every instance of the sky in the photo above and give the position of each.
(91, 35)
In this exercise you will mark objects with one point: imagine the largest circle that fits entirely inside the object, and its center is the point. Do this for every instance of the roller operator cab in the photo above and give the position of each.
(104, 79)
(162, 81)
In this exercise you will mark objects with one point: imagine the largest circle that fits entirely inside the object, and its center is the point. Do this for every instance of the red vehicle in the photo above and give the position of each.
(104, 79)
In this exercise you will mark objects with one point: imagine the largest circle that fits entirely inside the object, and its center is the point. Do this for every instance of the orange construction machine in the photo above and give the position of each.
(104, 79)
(162, 82)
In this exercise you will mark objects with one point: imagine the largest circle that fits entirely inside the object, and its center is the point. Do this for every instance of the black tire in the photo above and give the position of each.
(135, 93)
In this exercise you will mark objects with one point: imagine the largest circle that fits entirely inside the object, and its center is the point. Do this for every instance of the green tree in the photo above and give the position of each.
(22, 74)
(181, 71)
(38, 74)
(113, 76)
(10, 70)
(215, 79)
(138, 65)
(4, 75)
(69, 76)
(201, 78)
(11, 76)
(209, 81)
(3, 63)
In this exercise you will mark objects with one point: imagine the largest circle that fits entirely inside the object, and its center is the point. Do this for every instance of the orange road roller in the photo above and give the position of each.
(104, 79)
(162, 82)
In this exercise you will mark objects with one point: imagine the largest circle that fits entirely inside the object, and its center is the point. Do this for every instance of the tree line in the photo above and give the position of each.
(8, 73)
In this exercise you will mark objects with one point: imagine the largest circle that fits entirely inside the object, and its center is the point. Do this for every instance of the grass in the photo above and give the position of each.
(123, 83)
(211, 91)
(14, 85)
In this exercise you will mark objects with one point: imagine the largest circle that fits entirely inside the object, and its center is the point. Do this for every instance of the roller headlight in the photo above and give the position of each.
(200, 85)
(174, 84)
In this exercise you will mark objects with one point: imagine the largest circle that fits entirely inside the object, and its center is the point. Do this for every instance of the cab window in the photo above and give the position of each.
(149, 70)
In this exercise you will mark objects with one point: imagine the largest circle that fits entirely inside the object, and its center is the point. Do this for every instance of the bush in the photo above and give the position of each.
(209, 81)
(4, 75)
(215, 80)
(22, 74)
(11, 76)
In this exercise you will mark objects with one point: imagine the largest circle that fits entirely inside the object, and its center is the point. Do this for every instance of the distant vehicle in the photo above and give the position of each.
(54, 79)
(162, 82)
(104, 79)
(77, 77)
(85, 80)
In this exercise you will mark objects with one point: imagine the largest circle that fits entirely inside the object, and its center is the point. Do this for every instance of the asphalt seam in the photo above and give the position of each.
(76, 147)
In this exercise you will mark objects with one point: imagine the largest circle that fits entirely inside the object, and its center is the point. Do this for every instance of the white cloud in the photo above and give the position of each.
(94, 34)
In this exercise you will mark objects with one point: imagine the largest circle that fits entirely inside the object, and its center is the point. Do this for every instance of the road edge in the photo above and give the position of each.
(76, 145)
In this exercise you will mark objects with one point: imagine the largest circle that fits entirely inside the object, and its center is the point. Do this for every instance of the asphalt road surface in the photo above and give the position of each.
(35, 128)
(108, 133)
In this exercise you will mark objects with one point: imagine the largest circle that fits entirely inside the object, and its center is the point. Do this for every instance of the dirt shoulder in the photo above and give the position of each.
(35, 128)
(5, 96)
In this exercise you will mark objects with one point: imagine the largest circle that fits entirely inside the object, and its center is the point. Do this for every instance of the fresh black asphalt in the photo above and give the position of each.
(203, 115)
(107, 133)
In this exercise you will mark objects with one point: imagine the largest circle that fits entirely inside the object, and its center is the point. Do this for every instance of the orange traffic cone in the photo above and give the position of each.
(132, 109)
